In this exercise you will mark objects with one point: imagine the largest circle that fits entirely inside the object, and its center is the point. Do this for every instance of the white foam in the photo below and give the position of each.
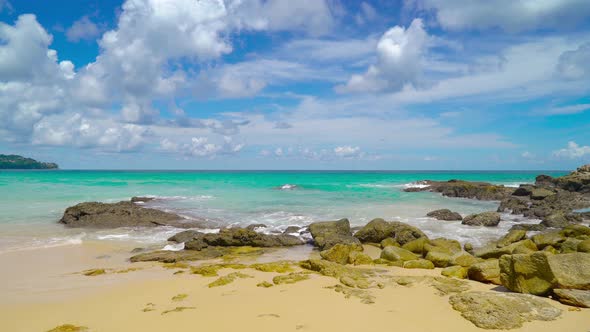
(174, 247)
(418, 184)
(288, 186)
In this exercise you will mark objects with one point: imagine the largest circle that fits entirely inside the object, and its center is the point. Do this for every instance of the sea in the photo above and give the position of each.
(32, 202)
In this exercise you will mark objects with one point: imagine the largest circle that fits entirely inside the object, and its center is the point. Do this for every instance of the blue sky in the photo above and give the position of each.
(279, 84)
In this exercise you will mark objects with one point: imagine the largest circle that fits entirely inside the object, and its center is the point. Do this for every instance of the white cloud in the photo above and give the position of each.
(527, 155)
(510, 15)
(564, 110)
(574, 64)
(202, 147)
(366, 14)
(347, 151)
(573, 151)
(399, 61)
(73, 129)
(83, 29)
(328, 50)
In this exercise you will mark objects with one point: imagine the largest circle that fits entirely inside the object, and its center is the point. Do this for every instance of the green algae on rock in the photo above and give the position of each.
(179, 297)
(487, 271)
(278, 267)
(490, 310)
(364, 295)
(455, 271)
(575, 297)
(351, 275)
(211, 270)
(419, 263)
(290, 278)
(177, 309)
(264, 284)
(94, 272)
(228, 279)
(446, 286)
(69, 328)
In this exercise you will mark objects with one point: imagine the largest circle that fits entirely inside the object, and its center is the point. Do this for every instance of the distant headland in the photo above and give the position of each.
(20, 162)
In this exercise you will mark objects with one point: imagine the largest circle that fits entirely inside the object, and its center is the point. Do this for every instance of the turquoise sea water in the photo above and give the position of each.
(31, 202)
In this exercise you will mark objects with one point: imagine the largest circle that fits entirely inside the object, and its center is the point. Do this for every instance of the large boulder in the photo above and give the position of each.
(487, 271)
(378, 230)
(237, 237)
(122, 214)
(341, 253)
(560, 219)
(540, 272)
(395, 254)
(487, 219)
(512, 236)
(575, 297)
(327, 234)
(444, 214)
(502, 311)
(493, 251)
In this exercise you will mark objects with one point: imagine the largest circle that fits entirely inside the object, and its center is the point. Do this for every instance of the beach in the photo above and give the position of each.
(58, 278)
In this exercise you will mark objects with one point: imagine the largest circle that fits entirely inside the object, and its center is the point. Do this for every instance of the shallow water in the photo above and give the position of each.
(31, 202)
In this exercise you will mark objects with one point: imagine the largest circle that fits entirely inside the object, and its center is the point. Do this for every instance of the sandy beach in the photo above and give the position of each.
(48, 292)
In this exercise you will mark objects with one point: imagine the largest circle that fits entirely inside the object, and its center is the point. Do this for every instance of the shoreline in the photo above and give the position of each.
(116, 301)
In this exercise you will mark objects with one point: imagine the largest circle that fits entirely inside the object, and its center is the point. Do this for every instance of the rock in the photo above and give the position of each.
(244, 237)
(197, 243)
(487, 219)
(418, 264)
(464, 259)
(544, 181)
(575, 297)
(397, 254)
(444, 214)
(378, 230)
(439, 259)
(466, 189)
(416, 246)
(529, 227)
(141, 199)
(492, 250)
(340, 252)
(511, 237)
(455, 272)
(577, 181)
(523, 190)
(184, 236)
(253, 227)
(389, 242)
(487, 271)
(292, 229)
(122, 214)
(468, 247)
(541, 193)
(446, 286)
(540, 272)
(552, 238)
(327, 234)
(489, 310)
(569, 245)
(359, 258)
(515, 205)
(575, 231)
(560, 219)
(584, 246)
(165, 256)
(443, 245)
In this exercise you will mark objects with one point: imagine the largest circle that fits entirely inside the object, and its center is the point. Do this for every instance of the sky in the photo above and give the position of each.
(308, 84)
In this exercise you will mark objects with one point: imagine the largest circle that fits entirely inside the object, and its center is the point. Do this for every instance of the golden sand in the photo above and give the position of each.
(43, 289)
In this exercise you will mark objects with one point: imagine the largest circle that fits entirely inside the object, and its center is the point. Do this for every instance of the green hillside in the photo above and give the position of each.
(20, 162)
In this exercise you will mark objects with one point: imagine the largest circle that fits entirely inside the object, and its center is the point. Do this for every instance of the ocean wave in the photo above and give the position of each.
(288, 186)
(418, 184)
(44, 243)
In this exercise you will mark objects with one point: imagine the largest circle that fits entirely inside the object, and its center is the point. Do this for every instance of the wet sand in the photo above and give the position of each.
(41, 289)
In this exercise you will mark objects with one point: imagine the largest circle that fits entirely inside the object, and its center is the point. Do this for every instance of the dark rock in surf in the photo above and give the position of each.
(444, 214)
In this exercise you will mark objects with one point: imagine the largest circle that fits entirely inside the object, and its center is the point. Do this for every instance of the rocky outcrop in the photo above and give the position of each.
(122, 214)
(239, 237)
(577, 181)
(465, 189)
(488, 219)
(541, 272)
(444, 214)
(502, 311)
(378, 230)
(574, 297)
(327, 234)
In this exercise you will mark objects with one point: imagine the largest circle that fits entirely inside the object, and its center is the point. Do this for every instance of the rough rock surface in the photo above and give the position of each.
(487, 271)
(239, 237)
(488, 219)
(122, 214)
(575, 297)
(444, 214)
(465, 189)
(327, 234)
(378, 230)
(502, 311)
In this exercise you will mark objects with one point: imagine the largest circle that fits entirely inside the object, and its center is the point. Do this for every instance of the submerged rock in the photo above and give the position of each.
(575, 297)
(487, 219)
(503, 311)
(444, 214)
(122, 214)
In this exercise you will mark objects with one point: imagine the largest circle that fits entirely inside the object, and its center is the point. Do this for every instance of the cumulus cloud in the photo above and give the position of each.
(347, 151)
(83, 29)
(400, 54)
(202, 147)
(573, 151)
(574, 64)
(510, 15)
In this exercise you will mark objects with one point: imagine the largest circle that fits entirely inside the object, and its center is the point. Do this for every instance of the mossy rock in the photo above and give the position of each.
(340, 252)
(574, 297)
(290, 278)
(584, 246)
(278, 267)
(552, 238)
(228, 279)
(166, 256)
(358, 275)
(94, 272)
(327, 234)
(569, 245)
(512, 236)
(264, 284)
(397, 254)
(179, 297)
(464, 259)
(503, 311)
(389, 242)
(419, 264)
(416, 246)
(69, 328)
(492, 251)
(210, 270)
(378, 229)
(551, 249)
(439, 259)
(575, 231)
(446, 286)
(381, 261)
(444, 245)
(488, 219)
(487, 271)
(359, 258)
(455, 272)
